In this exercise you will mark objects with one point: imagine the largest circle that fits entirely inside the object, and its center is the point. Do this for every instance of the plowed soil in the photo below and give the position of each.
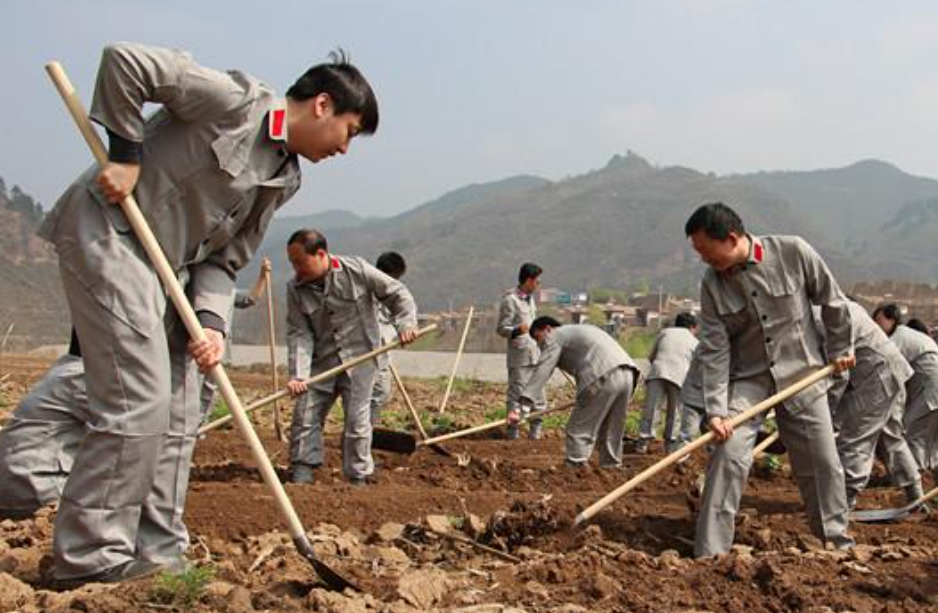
(516, 497)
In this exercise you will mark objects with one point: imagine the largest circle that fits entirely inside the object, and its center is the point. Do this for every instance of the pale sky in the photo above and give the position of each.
(478, 91)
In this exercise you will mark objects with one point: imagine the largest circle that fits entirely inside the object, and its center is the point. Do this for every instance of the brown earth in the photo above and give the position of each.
(516, 497)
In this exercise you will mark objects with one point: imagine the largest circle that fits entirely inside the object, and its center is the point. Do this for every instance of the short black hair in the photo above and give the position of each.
(716, 220)
(392, 264)
(685, 320)
(917, 324)
(312, 240)
(890, 311)
(345, 85)
(542, 322)
(529, 271)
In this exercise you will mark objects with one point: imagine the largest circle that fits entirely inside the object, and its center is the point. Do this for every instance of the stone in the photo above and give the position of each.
(332, 602)
(474, 525)
(763, 538)
(537, 590)
(423, 588)
(603, 586)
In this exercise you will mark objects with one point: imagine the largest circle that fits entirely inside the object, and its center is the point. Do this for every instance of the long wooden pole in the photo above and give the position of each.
(172, 287)
(272, 343)
(494, 424)
(673, 458)
(407, 401)
(332, 372)
(462, 344)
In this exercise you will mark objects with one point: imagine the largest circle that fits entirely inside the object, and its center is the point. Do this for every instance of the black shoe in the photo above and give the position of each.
(303, 473)
(128, 571)
(359, 482)
(16, 514)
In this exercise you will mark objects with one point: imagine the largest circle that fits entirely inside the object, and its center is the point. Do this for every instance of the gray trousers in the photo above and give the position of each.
(381, 393)
(599, 417)
(517, 378)
(40, 441)
(656, 392)
(866, 416)
(921, 431)
(693, 423)
(808, 434)
(354, 387)
(125, 496)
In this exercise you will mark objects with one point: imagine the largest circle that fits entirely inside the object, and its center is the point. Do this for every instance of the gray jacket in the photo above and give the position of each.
(581, 350)
(671, 354)
(513, 311)
(757, 318)
(332, 322)
(921, 351)
(877, 359)
(209, 184)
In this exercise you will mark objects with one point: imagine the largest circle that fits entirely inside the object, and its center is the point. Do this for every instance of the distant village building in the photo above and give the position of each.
(915, 299)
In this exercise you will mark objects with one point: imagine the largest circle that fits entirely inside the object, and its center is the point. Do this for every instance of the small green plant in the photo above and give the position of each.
(441, 423)
(219, 410)
(771, 462)
(182, 589)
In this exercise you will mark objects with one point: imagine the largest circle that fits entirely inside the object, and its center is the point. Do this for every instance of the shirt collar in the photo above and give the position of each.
(522, 294)
(755, 257)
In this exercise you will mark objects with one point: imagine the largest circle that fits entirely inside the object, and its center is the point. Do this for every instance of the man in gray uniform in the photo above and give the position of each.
(694, 415)
(605, 378)
(920, 417)
(670, 358)
(332, 317)
(516, 311)
(39, 442)
(209, 169)
(392, 264)
(867, 408)
(757, 336)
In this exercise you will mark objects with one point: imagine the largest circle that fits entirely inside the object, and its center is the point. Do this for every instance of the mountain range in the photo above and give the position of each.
(619, 226)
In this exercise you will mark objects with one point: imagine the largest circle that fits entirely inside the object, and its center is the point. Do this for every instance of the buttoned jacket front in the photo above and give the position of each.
(515, 310)
(348, 301)
(756, 318)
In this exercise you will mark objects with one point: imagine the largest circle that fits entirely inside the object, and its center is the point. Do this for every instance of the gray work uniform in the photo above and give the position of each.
(39, 442)
(867, 408)
(758, 336)
(694, 416)
(605, 379)
(920, 417)
(383, 389)
(330, 322)
(210, 181)
(670, 358)
(516, 309)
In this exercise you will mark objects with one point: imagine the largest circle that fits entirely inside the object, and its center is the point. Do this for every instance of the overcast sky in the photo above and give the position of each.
(475, 91)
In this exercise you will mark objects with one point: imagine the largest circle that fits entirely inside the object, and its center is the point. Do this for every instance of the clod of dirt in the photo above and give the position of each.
(13, 593)
(332, 602)
(439, 523)
(423, 588)
(387, 532)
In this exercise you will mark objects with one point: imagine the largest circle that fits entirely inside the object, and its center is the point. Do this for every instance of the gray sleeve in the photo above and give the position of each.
(506, 318)
(393, 295)
(713, 353)
(131, 75)
(823, 291)
(212, 291)
(550, 355)
(300, 341)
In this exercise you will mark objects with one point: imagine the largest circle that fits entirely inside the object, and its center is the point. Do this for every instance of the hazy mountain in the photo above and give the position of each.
(619, 226)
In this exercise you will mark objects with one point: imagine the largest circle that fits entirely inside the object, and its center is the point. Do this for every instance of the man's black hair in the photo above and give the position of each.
(529, 271)
(346, 86)
(542, 322)
(917, 324)
(392, 264)
(311, 239)
(890, 311)
(716, 220)
(685, 320)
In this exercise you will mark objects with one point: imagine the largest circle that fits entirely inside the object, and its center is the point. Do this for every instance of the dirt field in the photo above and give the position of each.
(516, 497)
